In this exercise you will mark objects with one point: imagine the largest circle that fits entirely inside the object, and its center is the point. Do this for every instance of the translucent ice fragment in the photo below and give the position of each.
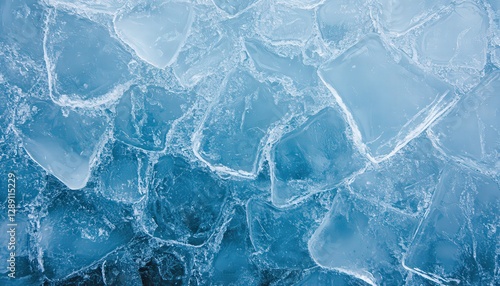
(233, 7)
(121, 174)
(305, 4)
(470, 132)
(201, 60)
(184, 202)
(120, 268)
(236, 126)
(156, 31)
(144, 116)
(315, 157)
(323, 277)
(277, 236)
(457, 241)
(399, 16)
(337, 19)
(83, 61)
(459, 39)
(232, 264)
(386, 103)
(405, 183)
(78, 230)
(273, 65)
(362, 239)
(90, 6)
(284, 24)
(63, 144)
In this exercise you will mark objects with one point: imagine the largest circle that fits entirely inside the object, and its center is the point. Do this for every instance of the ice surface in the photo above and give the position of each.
(277, 237)
(273, 65)
(184, 203)
(471, 130)
(234, 7)
(83, 61)
(316, 157)
(144, 116)
(458, 39)
(156, 30)
(64, 144)
(363, 240)
(457, 241)
(404, 184)
(323, 277)
(122, 174)
(79, 229)
(235, 128)
(282, 24)
(399, 16)
(387, 103)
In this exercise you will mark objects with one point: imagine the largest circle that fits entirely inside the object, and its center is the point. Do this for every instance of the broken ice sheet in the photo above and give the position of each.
(315, 157)
(282, 24)
(457, 241)
(280, 236)
(386, 103)
(233, 8)
(405, 183)
(122, 174)
(145, 115)
(79, 229)
(234, 130)
(156, 30)
(184, 202)
(362, 239)
(399, 16)
(276, 66)
(84, 62)
(63, 142)
(457, 40)
(320, 276)
(89, 6)
(470, 132)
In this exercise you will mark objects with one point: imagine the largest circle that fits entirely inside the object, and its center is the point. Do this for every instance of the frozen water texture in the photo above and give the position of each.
(316, 157)
(470, 132)
(238, 123)
(145, 115)
(65, 145)
(155, 31)
(457, 39)
(278, 239)
(399, 16)
(78, 230)
(457, 241)
(387, 103)
(175, 191)
(282, 24)
(83, 61)
(363, 240)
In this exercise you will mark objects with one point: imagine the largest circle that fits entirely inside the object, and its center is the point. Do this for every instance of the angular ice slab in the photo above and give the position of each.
(273, 65)
(458, 240)
(337, 19)
(235, 128)
(79, 229)
(156, 31)
(279, 240)
(405, 183)
(323, 277)
(184, 202)
(282, 24)
(122, 173)
(84, 62)
(315, 157)
(386, 103)
(144, 116)
(65, 145)
(362, 239)
(234, 7)
(458, 39)
(470, 132)
(399, 16)
(90, 6)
